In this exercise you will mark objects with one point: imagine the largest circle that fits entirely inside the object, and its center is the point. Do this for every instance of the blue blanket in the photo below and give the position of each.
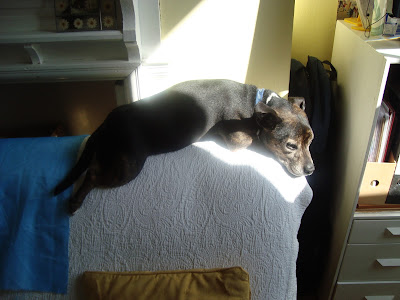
(34, 224)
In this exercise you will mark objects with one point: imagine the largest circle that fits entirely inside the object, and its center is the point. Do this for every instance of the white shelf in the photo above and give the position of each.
(67, 71)
(386, 45)
(59, 37)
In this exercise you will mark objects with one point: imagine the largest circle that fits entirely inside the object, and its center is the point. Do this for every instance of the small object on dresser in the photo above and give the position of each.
(378, 17)
(375, 184)
(390, 26)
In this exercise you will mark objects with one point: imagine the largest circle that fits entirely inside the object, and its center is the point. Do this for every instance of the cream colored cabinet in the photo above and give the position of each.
(371, 262)
(364, 257)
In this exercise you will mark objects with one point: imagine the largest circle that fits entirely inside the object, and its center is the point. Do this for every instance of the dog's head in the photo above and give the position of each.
(286, 132)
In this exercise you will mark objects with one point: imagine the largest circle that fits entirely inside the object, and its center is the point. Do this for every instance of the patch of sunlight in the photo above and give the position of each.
(289, 187)
(214, 40)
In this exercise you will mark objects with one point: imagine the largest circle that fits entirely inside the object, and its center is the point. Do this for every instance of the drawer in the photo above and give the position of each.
(375, 231)
(367, 291)
(380, 262)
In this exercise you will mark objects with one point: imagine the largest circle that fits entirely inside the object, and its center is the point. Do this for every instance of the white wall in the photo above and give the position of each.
(243, 40)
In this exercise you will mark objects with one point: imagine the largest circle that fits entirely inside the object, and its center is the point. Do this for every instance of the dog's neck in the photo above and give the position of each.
(259, 98)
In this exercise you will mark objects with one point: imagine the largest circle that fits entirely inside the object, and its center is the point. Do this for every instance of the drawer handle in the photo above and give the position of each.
(394, 230)
(389, 262)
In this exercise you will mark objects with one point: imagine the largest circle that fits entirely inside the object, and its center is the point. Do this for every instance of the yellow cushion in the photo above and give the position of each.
(218, 284)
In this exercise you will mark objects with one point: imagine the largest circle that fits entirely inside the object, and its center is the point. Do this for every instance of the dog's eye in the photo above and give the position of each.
(291, 146)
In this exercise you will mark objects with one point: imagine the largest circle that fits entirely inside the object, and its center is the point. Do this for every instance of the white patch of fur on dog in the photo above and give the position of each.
(272, 95)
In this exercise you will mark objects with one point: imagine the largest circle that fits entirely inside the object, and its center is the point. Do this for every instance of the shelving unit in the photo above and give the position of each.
(357, 266)
(32, 50)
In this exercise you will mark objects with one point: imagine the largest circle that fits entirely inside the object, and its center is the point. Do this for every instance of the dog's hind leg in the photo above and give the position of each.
(88, 184)
(115, 174)
(80, 167)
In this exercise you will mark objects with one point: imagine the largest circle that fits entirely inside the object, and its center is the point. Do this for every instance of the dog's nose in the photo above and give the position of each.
(309, 169)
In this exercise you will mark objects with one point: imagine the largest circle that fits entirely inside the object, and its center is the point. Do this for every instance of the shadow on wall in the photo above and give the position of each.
(169, 11)
(269, 60)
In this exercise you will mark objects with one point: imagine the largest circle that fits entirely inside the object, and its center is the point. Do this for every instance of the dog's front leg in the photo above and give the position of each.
(237, 140)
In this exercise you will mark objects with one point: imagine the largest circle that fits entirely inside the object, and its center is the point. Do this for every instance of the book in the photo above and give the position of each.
(383, 128)
(392, 94)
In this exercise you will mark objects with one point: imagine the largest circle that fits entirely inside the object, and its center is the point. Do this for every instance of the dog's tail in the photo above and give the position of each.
(80, 166)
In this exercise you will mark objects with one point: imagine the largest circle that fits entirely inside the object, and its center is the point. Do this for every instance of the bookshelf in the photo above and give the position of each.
(357, 264)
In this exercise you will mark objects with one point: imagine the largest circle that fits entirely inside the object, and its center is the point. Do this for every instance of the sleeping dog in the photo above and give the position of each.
(175, 118)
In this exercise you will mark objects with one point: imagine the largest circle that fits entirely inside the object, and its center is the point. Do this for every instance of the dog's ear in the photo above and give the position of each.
(299, 101)
(266, 116)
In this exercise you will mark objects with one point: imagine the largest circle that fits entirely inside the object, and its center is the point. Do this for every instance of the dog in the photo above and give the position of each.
(181, 115)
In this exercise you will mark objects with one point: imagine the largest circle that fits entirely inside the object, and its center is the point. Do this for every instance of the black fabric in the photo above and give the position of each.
(299, 85)
(320, 96)
(396, 8)
(314, 83)
(318, 86)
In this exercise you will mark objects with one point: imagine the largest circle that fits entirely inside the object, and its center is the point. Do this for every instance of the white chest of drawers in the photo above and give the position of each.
(371, 264)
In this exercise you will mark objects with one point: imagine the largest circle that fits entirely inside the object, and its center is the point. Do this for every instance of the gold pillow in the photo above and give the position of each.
(218, 284)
